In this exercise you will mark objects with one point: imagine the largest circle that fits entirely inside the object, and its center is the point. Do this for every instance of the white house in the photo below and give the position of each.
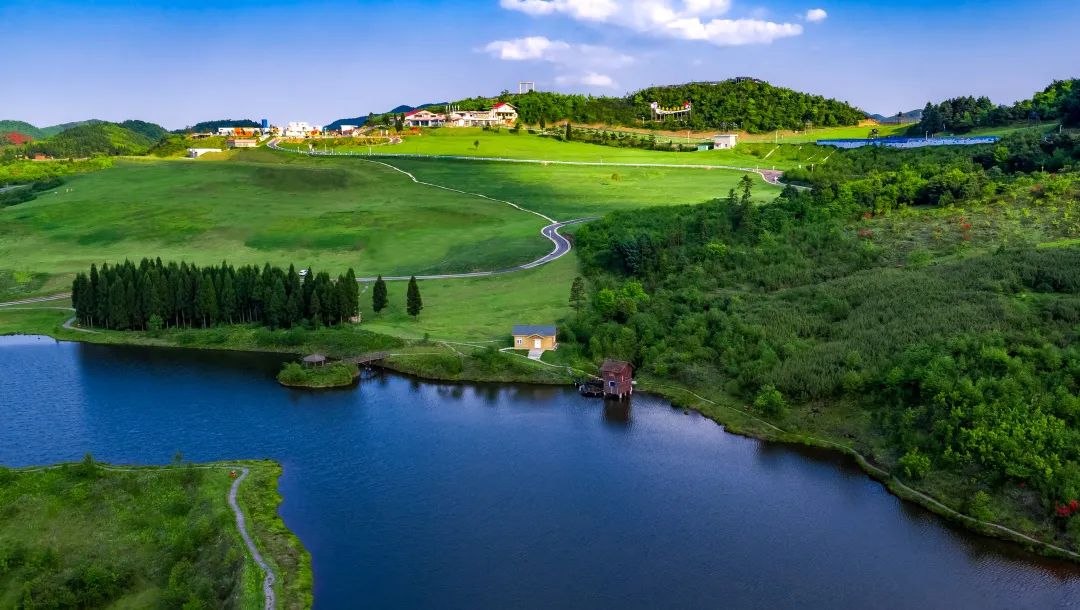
(423, 118)
(300, 129)
(505, 113)
(725, 140)
(347, 129)
(501, 114)
(195, 153)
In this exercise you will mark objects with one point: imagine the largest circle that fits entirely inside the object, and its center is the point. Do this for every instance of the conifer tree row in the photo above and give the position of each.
(153, 295)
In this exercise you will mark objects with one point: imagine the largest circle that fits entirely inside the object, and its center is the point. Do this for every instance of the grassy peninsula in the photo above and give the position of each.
(93, 535)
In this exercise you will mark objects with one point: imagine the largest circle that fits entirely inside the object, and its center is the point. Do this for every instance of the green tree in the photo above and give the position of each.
(770, 401)
(379, 299)
(413, 302)
(914, 464)
(275, 308)
(569, 132)
(577, 293)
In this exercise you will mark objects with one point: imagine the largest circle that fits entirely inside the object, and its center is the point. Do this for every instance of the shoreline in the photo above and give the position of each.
(741, 423)
(277, 554)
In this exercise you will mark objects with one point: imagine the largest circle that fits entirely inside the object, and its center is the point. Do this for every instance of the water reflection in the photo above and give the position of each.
(518, 496)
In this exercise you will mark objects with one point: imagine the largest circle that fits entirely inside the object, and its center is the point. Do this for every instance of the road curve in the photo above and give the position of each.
(550, 232)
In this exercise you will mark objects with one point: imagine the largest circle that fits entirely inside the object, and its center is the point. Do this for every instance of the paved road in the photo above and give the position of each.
(562, 246)
(53, 297)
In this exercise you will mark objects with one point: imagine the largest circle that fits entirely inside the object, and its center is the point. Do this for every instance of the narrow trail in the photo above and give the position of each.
(768, 175)
(269, 578)
(241, 524)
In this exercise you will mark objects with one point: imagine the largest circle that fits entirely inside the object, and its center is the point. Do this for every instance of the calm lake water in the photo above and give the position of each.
(423, 495)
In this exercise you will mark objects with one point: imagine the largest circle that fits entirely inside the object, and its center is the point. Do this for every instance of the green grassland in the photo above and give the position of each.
(503, 143)
(323, 213)
(90, 535)
(569, 191)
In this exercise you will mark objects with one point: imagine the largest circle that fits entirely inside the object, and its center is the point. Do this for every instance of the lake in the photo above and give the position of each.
(414, 494)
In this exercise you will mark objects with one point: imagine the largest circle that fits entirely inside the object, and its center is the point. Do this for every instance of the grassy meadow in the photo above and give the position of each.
(326, 214)
(88, 535)
(504, 143)
(568, 191)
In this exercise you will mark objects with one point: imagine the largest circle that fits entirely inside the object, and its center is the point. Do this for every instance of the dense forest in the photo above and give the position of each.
(738, 104)
(153, 295)
(904, 290)
(1059, 101)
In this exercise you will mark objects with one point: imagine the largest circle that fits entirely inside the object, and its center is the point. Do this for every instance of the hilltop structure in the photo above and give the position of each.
(499, 115)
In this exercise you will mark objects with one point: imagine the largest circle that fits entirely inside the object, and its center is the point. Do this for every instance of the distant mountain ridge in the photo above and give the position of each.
(360, 120)
(40, 133)
(911, 116)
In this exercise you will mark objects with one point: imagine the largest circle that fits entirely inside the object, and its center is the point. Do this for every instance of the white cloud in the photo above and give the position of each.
(530, 47)
(581, 60)
(589, 79)
(816, 15)
(681, 19)
(539, 48)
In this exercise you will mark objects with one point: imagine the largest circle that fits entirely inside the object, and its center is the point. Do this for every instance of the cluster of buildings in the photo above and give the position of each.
(499, 115)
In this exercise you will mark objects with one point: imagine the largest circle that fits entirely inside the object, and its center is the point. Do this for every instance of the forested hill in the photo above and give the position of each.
(1060, 101)
(38, 133)
(738, 104)
(212, 126)
(127, 138)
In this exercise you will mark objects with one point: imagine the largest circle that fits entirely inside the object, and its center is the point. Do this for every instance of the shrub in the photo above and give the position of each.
(770, 401)
(914, 464)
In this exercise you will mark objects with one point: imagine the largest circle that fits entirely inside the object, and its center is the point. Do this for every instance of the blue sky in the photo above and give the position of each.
(180, 62)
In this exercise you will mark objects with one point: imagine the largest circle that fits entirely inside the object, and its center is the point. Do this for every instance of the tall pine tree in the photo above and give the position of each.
(413, 302)
(379, 300)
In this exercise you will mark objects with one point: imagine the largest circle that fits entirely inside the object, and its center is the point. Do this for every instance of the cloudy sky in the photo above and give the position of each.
(180, 62)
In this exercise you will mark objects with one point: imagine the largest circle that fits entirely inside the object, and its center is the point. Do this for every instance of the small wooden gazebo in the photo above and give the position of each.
(314, 360)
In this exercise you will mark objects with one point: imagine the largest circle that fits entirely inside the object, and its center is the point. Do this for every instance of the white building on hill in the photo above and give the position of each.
(725, 140)
(424, 118)
(500, 115)
(301, 129)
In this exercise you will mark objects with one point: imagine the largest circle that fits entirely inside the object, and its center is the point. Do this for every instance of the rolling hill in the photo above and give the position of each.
(743, 104)
(39, 133)
(127, 138)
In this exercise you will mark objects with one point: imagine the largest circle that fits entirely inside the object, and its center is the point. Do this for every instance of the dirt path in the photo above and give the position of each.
(241, 524)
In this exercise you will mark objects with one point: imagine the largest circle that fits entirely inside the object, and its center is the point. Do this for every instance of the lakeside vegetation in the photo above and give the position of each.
(333, 375)
(917, 304)
(94, 535)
